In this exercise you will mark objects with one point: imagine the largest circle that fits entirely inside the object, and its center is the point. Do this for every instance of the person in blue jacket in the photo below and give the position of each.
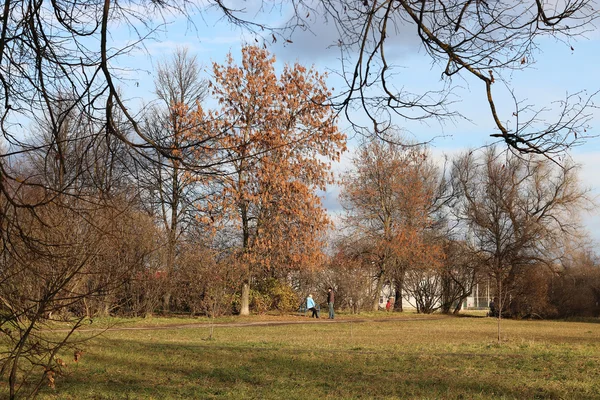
(310, 305)
(330, 301)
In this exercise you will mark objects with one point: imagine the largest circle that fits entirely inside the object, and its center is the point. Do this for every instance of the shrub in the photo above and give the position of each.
(272, 294)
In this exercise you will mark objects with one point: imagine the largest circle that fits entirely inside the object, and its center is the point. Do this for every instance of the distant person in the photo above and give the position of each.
(330, 301)
(310, 305)
(388, 305)
(493, 308)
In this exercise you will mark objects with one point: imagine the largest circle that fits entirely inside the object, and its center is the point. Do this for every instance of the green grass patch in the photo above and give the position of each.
(380, 356)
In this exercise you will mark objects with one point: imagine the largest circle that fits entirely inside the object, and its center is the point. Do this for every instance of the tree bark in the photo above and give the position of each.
(398, 284)
(245, 300)
(378, 291)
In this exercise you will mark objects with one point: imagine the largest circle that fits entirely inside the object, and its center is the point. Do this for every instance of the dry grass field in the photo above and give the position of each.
(369, 356)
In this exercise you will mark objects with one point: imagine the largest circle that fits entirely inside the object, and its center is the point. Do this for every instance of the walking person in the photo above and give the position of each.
(330, 301)
(310, 305)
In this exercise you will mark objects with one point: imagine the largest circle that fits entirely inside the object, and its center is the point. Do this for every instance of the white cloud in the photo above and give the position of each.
(317, 40)
(590, 165)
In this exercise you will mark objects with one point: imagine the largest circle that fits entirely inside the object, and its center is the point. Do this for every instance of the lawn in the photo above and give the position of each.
(356, 357)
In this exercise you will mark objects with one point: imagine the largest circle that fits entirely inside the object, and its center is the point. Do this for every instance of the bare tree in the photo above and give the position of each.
(424, 287)
(48, 51)
(66, 242)
(61, 260)
(170, 186)
(519, 211)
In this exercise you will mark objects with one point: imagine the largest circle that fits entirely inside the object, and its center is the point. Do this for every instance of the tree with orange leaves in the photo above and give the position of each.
(389, 198)
(280, 138)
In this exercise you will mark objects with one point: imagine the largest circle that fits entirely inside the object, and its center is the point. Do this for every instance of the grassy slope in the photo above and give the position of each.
(401, 358)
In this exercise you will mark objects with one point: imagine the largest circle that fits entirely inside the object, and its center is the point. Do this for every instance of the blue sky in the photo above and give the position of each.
(558, 70)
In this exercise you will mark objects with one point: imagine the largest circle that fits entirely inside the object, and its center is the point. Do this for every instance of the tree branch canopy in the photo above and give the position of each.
(52, 51)
(479, 40)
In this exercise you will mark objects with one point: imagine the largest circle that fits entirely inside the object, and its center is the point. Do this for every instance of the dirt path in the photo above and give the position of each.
(299, 320)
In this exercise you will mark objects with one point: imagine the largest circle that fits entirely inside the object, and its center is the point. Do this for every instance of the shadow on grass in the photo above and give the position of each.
(128, 369)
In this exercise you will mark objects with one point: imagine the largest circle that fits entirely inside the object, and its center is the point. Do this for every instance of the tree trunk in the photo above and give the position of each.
(499, 285)
(166, 301)
(86, 307)
(378, 288)
(458, 307)
(447, 297)
(171, 248)
(106, 309)
(398, 283)
(245, 300)
(172, 227)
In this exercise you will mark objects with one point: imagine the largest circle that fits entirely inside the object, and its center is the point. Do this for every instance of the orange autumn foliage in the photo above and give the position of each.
(389, 198)
(278, 137)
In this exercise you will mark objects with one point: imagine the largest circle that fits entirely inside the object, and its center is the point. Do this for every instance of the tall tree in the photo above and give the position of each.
(389, 198)
(519, 210)
(280, 138)
(170, 189)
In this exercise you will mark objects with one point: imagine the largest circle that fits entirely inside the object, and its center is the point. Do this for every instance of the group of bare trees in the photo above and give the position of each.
(431, 234)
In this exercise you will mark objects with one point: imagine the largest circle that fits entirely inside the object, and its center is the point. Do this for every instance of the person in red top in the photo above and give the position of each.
(388, 305)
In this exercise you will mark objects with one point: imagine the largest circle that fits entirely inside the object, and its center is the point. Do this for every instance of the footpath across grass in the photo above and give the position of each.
(374, 356)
